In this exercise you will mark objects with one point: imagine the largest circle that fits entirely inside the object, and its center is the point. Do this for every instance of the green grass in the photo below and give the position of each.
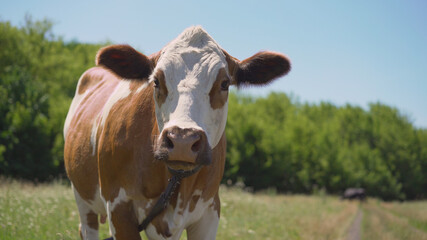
(49, 212)
(395, 220)
(414, 212)
(42, 212)
(261, 216)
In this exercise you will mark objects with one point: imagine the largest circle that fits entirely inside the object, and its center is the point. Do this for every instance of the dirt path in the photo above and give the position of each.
(355, 228)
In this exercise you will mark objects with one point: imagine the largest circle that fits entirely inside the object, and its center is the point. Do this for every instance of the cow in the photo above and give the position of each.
(354, 193)
(135, 119)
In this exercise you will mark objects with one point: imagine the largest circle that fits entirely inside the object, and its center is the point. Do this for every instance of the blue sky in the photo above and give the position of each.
(355, 52)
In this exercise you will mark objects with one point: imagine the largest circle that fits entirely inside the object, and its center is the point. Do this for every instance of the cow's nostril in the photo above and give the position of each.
(196, 146)
(184, 145)
(168, 142)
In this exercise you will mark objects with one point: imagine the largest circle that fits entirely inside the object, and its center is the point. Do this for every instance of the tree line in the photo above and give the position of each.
(273, 142)
(300, 148)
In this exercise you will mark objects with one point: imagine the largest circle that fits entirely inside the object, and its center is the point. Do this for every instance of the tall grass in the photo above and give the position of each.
(49, 212)
(414, 212)
(391, 221)
(42, 212)
(260, 216)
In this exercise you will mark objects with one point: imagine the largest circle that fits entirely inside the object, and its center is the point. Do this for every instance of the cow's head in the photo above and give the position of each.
(191, 77)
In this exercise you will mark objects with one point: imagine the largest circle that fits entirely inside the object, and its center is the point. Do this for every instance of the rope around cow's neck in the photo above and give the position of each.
(163, 201)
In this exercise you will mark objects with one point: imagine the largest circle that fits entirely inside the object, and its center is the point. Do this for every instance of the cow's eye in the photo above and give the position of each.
(156, 82)
(225, 84)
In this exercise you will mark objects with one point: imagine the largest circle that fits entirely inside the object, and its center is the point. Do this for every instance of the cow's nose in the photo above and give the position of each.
(183, 144)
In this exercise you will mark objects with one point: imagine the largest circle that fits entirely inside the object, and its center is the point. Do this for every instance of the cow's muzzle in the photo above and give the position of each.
(183, 148)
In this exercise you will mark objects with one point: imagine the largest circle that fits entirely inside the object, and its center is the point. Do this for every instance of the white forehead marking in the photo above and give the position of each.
(190, 64)
(193, 53)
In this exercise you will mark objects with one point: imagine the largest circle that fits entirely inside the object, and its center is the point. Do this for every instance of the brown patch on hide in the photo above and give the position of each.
(162, 227)
(125, 221)
(216, 205)
(154, 58)
(218, 96)
(92, 220)
(232, 63)
(161, 91)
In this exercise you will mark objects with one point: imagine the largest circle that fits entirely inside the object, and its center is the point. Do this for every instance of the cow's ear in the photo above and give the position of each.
(154, 58)
(125, 61)
(260, 69)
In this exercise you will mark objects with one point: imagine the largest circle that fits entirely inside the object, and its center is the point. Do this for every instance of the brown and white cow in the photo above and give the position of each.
(133, 116)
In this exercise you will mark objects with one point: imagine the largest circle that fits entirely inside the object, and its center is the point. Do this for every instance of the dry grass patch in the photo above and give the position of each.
(261, 216)
(381, 223)
(415, 212)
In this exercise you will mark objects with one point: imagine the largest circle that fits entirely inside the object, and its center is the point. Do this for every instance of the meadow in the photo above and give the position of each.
(48, 211)
(395, 221)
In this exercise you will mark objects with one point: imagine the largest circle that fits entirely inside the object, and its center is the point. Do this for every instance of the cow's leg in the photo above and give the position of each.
(123, 221)
(88, 227)
(206, 227)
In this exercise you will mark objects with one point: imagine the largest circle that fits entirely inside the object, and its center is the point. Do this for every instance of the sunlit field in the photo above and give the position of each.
(391, 221)
(49, 212)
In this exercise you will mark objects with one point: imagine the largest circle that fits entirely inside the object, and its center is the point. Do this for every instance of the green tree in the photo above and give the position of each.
(38, 74)
(274, 142)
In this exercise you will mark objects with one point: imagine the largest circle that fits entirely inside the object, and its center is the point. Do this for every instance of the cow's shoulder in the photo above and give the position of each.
(92, 77)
